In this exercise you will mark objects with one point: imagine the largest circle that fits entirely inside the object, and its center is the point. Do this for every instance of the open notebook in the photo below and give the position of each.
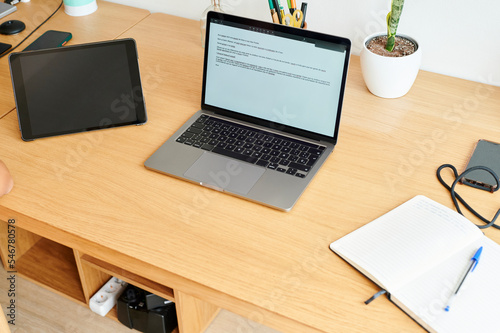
(418, 253)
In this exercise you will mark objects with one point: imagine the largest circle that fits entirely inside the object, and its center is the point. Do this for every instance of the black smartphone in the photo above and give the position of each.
(4, 47)
(49, 39)
(486, 153)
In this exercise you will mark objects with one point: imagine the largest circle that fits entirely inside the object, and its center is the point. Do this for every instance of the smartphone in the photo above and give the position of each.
(50, 39)
(486, 153)
(4, 47)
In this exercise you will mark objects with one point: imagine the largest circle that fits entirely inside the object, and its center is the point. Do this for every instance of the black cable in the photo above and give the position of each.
(31, 33)
(456, 196)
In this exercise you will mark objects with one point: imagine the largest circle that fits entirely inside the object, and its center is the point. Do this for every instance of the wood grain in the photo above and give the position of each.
(53, 266)
(92, 279)
(194, 315)
(129, 277)
(268, 266)
(23, 239)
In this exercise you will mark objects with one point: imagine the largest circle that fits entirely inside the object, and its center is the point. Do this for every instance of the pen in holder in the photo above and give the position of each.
(216, 7)
(296, 18)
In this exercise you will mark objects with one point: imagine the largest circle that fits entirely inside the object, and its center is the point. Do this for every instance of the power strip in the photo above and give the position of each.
(106, 297)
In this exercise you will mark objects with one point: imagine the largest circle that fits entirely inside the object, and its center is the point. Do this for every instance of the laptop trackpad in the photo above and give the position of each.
(224, 173)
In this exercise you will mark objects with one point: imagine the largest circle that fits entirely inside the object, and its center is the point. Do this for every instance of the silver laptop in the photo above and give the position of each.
(270, 111)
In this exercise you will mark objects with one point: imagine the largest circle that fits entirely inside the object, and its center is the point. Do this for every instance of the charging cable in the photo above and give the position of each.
(31, 33)
(456, 197)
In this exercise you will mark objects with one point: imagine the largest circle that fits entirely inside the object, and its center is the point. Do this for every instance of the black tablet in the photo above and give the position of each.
(77, 88)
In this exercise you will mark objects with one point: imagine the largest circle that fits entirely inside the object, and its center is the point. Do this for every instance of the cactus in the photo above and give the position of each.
(392, 23)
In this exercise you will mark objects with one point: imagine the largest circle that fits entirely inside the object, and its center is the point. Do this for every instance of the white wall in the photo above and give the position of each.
(459, 37)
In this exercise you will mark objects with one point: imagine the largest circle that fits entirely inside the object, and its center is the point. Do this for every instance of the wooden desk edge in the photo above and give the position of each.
(195, 298)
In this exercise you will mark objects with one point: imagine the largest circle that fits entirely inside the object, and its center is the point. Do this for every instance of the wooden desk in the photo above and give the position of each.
(109, 21)
(207, 250)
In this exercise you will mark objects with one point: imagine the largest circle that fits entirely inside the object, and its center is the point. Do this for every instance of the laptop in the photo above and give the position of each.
(270, 110)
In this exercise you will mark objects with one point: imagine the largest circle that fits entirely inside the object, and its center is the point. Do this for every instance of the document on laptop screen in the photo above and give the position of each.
(275, 76)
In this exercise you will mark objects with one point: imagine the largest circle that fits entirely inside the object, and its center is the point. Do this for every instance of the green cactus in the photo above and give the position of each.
(392, 23)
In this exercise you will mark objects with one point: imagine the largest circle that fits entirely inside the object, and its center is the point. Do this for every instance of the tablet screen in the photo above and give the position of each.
(77, 88)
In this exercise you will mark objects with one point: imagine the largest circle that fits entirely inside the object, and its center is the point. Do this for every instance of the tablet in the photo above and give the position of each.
(77, 88)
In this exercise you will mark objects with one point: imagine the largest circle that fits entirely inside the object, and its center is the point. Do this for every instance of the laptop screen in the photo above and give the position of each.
(281, 75)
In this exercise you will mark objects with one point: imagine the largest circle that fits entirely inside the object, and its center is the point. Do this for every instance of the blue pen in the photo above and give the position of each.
(472, 266)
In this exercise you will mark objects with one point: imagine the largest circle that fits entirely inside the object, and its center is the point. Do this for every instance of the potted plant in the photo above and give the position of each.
(390, 61)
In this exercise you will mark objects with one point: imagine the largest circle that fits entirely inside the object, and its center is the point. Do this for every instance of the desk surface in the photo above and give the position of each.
(111, 21)
(91, 192)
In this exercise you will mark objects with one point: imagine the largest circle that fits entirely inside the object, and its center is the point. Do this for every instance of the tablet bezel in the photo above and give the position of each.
(20, 92)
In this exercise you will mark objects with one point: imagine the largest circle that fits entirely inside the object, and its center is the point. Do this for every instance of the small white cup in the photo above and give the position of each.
(79, 7)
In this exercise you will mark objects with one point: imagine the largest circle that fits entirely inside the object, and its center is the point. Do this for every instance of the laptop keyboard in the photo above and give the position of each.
(266, 149)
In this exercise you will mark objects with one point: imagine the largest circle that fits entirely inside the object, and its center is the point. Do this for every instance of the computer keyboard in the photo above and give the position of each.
(266, 149)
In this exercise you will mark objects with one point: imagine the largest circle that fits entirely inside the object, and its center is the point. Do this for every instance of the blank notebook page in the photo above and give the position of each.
(476, 307)
(411, 238)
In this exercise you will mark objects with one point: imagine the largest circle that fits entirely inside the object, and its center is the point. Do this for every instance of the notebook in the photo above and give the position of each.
(270, 110)
(419, 253)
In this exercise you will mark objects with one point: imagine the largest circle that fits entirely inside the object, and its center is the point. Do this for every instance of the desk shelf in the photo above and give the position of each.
(95, 272)
(44, 262)
(52, 265)
(66, 271)
(122, 274)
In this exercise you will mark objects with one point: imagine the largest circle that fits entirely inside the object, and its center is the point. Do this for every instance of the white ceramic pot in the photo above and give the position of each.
(389, 77)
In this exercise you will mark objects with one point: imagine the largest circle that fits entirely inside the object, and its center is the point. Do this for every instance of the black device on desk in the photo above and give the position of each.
(77, 88)
(486, 154)
(146, 312)
(12, 27)
(4, 47)
(49, 39)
